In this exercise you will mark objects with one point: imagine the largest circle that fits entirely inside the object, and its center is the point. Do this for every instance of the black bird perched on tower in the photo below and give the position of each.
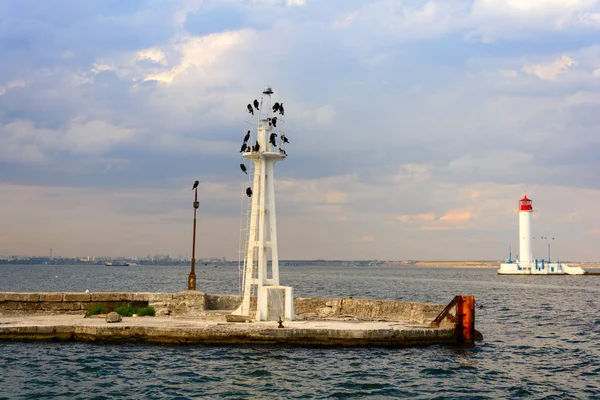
(250, 110)
(282, 151)
(256, 147)
(247, 137)
(244, 147)
(256, 104)
(285, 139)
(195, 185)
(272, 139)
(249, 192)
(243, 167)
(274, 121)
(275, 107)
(281, 109)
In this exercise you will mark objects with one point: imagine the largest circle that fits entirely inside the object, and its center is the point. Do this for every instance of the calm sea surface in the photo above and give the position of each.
(541, 341)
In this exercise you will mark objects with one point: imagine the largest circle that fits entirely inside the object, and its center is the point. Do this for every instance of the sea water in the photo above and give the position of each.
(541, 340)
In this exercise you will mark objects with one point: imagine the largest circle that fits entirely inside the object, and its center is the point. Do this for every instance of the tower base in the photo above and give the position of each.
(539, 267)
(271, 303)
(275, 302)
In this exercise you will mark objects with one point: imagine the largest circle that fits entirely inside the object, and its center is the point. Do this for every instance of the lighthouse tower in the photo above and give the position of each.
(525, 238)
(527, 265)
(261, 259)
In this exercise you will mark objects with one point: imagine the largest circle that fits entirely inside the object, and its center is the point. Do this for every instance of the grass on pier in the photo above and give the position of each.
(128, 311)
(124, 311)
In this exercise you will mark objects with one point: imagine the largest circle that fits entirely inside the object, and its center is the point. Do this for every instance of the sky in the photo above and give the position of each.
(415, 126)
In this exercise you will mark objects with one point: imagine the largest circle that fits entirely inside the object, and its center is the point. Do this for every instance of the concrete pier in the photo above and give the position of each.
(172, 330)
(196, 317)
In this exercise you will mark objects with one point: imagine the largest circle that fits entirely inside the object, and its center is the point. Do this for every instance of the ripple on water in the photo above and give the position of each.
(437, 371)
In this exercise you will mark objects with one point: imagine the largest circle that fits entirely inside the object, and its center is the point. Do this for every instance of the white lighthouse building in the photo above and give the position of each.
(260, 271)
(525, 238)
(526, 263)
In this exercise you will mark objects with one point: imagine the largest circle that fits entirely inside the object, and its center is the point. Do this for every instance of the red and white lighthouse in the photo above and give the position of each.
(527, 265)
(525, 238)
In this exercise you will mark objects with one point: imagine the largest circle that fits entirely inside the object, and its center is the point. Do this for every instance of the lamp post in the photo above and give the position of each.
(548, 243)
(192, 276)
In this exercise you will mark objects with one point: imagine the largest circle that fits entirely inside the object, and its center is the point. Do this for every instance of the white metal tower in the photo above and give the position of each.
(259, 275)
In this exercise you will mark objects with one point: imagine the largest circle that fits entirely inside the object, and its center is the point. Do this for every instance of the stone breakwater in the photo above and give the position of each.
(196, 317)
(203, 305)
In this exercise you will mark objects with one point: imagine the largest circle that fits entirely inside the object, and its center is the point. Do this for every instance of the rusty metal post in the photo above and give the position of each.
(465, 319)
(464, 322)
(192, 276)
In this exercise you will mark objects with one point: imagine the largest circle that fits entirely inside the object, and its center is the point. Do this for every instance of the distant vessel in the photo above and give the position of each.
(117, 264)
(526, 264)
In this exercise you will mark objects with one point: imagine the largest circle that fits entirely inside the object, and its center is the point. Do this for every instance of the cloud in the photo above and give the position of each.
(153, 55)
(335, 197)
(11, 85)
(400, 117)
(427, 19)
(22, 142)
(434, 228)
(197, 55)
(403, 218)
(537, 8)
(417, 217)
(551, 70)
(456, 216)
(345, 21)
(481, 20)
(148, 221)
(425, 217)
(297, 3)
(412, 173)
(368, 238)
(493, 19)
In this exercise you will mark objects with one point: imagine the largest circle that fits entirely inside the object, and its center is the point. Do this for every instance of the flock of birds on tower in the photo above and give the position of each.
(247, 147)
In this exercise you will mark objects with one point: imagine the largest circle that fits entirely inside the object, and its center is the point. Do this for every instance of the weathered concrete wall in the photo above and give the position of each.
(188, 303)
(224, 301)
(305, 308)
(388, 310)
(194, 303)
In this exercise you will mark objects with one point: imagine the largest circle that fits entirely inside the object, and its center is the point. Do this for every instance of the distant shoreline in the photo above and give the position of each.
(476, 264)
(447, 264)
(291, 263)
